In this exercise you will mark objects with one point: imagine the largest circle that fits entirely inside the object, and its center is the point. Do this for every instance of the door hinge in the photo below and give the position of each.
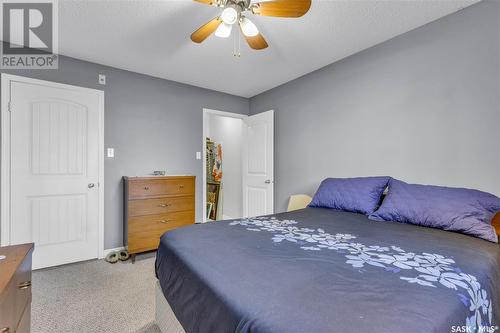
(9, 106)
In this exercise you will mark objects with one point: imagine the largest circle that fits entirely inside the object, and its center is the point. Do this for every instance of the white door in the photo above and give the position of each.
(258, 166)
(54, 171)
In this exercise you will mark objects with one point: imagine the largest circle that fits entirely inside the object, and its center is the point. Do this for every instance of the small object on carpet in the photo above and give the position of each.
(123, 255)
(112, 257)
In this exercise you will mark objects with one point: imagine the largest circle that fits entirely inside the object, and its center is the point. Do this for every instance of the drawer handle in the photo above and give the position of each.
(146, 188)
(24, 285)
(181, 186)
(165, 221)
(5, 330)
(163, 205)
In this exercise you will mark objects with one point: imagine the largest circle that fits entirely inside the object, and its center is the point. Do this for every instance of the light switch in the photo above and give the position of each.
(111, 152)
(198, 155)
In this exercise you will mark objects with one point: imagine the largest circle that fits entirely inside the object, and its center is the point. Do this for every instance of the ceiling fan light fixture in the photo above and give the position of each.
(235, 11)
(229, 15)
(223, 30)
(248, 28)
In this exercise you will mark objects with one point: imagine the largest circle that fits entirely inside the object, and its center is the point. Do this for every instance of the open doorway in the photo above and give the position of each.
(223, 135)
(238, 168)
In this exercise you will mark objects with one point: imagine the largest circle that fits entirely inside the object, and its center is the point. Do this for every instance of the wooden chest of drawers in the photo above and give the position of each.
(154, 205)
(15, 288)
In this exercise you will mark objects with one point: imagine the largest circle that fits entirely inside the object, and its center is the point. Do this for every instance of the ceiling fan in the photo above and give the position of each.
(236, 11)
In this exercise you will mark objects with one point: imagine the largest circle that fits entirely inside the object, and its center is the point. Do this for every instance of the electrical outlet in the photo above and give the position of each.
(198, 155)
(102, 79)
(111, 152)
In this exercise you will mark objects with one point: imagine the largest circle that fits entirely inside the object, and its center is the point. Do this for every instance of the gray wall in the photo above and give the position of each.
(423, 107)
(153, 124)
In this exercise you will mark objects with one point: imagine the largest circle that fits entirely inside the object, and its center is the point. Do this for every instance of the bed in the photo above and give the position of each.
(323, 270)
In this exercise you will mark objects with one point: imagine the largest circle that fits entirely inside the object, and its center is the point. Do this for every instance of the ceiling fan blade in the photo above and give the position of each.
(256, 42)
(282, 8)
(207, 2)
(206, 30)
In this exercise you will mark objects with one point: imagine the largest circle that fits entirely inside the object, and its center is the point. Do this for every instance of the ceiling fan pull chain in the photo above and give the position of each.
(234, 45)
(239, 43)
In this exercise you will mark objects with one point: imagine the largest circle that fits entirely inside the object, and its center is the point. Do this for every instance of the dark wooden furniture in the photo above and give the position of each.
(154, 205)
(15, 288)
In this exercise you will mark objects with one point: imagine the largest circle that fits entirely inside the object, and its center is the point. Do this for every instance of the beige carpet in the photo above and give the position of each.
(95, 296)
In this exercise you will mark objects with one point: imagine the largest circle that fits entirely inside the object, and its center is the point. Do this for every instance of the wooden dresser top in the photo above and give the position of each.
(132, 178)
(14, 255)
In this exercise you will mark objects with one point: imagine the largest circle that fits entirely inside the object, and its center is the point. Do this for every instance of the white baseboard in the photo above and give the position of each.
(108, 251)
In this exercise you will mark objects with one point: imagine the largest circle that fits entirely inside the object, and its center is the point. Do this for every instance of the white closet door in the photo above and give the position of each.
(54, 172)
(258, 165)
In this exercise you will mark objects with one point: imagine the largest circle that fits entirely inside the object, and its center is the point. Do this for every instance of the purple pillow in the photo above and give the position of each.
(358, 195)
(455, 209)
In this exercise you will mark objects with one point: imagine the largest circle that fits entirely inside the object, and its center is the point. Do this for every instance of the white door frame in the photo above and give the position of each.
(5, 161)
(207, 112)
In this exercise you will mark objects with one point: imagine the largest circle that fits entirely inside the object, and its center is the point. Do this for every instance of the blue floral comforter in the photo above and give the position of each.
(321, 270)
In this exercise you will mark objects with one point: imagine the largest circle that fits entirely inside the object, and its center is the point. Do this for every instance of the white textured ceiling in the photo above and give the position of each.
(152, 37)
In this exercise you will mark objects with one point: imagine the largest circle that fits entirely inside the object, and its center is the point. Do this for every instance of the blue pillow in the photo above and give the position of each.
(358, 195)
(455, 209)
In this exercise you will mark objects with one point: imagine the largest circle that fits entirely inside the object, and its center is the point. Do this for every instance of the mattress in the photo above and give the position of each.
(321, 270)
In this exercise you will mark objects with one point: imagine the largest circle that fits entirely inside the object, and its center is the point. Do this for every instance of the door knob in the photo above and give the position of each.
(268, 181)
(90, 185)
